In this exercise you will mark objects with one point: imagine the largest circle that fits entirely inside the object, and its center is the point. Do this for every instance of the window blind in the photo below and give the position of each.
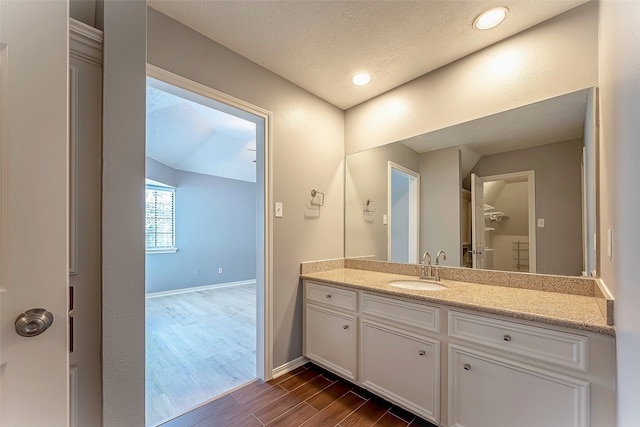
(160, 218)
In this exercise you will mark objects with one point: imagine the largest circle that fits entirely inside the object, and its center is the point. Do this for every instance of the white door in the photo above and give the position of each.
(33, 210)
(477, 221)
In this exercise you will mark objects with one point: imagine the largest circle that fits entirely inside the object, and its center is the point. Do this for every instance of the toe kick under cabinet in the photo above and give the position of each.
(457, 367)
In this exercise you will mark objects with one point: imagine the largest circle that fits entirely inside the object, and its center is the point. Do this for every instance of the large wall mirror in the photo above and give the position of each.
(514, 191)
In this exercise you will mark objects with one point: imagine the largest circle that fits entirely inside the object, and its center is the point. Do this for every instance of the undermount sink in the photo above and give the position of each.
(417, 285)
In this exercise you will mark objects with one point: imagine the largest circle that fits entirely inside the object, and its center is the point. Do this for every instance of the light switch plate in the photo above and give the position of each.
(540, 222)
(385, 219)
(610, 243)
(279, 210)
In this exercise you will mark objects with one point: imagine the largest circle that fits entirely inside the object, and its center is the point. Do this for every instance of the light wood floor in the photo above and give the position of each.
(308, 396)
(198, 346)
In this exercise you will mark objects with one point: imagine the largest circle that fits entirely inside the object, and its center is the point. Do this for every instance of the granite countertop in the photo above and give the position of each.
(560, 309)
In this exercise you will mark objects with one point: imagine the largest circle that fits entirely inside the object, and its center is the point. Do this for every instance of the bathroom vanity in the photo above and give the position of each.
(472, 354)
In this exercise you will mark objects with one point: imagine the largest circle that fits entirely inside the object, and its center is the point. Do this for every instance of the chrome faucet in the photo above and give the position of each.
(444, 258)
(426, 268)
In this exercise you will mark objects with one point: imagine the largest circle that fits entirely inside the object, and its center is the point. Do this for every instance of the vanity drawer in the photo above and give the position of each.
(331, 295)
(408, 313)
(560, 348)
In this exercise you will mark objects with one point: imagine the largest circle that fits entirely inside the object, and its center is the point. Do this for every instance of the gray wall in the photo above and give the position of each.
(215, 227)
(123, 122)
(366, 178)
(440, 204)
(161, 173)
(307, 138)
(619, 204)
(558, 200)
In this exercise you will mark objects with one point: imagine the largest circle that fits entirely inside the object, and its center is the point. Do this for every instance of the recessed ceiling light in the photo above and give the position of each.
(491, 18)
(361, 79)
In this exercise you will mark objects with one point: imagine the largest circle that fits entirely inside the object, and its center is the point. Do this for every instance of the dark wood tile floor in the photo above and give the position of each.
(308, 396)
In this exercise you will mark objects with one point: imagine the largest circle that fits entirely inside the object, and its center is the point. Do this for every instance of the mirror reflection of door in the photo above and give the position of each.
(477, 222)
(503, 222)
(404, 202)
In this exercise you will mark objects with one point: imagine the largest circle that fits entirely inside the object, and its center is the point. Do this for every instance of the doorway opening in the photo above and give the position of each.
(205, 232)
(404, 202)
(503, 222)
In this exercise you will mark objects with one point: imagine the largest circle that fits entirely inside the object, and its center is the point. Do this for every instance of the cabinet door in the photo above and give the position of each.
(403, 367)
(330, 340)
(490, 391)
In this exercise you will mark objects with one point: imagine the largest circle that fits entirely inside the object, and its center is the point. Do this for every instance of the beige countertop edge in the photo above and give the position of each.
(601, 328)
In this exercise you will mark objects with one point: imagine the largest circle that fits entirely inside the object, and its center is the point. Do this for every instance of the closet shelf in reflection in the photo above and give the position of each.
(495, 216)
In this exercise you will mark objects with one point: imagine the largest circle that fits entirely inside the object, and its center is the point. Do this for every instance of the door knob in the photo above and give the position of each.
(33, 322)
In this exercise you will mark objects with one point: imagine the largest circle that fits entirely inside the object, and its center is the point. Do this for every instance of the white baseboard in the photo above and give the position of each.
(289, 366)
(200, 288)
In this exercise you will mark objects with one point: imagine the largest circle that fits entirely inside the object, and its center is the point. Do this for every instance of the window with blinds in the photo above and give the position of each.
(160, 219)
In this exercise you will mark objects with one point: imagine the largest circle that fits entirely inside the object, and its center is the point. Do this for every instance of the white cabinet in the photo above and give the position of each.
(401, 366)
(503, 373)
(331, 340)
(330, 328)
(457, 368)
(400, 353)
(491, 391)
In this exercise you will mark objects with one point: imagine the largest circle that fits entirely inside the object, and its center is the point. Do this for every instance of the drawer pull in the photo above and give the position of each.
(328, 295)
(422, 353)
(345, 326)
(466, 367)
(506, 337)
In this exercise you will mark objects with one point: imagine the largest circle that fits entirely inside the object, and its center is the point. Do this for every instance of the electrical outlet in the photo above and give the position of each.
(220, 270)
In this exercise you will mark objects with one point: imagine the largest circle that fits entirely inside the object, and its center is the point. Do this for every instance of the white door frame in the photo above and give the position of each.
(478, 254)
(264, 346)
(531, 189)
(414, 223)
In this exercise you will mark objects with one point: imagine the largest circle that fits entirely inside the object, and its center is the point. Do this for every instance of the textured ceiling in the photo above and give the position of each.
(319, 44)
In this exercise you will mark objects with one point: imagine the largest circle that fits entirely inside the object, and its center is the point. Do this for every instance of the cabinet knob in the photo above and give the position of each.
(422, 353)
(466, 367)
(506, 337)
(345, 326)
(328, 295)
